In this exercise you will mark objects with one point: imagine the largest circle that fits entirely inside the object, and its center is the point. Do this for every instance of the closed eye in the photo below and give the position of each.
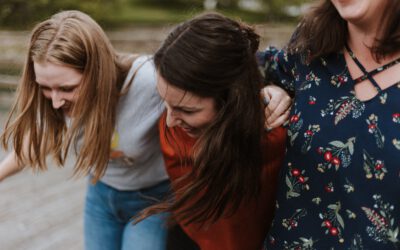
(44, 88)
(186, 111)
(67, 89)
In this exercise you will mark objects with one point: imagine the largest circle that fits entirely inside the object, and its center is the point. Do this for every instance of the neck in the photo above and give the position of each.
(361, 39)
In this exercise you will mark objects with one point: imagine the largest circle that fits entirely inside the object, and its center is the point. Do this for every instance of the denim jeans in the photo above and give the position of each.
(108, 213)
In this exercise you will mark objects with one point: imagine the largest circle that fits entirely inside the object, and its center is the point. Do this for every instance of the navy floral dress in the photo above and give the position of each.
(340, 184)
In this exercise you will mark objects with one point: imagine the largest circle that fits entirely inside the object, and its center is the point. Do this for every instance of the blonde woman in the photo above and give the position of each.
(76, 88)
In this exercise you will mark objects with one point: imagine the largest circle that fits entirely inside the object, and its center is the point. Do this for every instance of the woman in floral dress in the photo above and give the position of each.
(340, 183)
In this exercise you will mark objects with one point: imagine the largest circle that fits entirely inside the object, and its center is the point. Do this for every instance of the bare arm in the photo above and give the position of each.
(9, 166)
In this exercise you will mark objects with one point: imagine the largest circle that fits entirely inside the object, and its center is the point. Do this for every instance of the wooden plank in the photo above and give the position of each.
(8, 82)
(42, 212)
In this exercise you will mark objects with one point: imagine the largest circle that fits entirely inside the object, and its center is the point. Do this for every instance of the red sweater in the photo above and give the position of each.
(248, 226)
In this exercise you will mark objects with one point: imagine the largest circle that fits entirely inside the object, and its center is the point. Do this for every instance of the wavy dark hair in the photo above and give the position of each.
(214, 56)
(323, 31)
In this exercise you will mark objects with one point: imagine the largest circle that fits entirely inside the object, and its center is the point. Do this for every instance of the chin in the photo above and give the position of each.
(193, 135)
(67, 112)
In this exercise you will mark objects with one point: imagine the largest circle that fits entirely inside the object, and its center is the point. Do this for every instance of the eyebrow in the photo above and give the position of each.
(59, 86)
(186, 108)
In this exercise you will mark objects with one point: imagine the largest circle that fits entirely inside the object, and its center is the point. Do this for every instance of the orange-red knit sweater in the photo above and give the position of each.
(247, 227)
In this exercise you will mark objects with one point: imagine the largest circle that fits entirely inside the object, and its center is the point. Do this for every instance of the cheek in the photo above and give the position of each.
(201, 120)
(46, 94)
(71, 97)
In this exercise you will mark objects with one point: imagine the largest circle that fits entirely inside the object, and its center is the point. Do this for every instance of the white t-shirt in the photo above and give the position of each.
(136, 160)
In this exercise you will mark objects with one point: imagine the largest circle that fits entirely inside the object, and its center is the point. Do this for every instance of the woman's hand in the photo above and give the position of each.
(278, 106)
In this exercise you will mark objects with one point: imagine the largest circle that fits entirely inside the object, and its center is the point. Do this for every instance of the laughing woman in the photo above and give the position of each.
(222, 163)
(340, 184)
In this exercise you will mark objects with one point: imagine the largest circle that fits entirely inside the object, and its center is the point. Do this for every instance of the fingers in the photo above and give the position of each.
(277, 108)
(278, 121)
(278, 104)
(271, 107)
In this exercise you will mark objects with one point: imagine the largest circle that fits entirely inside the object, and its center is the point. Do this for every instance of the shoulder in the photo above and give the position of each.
(142, 71)
(141, 61)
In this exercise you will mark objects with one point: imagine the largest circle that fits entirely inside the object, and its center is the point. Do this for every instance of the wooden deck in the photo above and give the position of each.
(40, 211)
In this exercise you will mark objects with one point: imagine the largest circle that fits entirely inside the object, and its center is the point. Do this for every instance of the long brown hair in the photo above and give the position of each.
(214, 56)
(323, 31)
(72, 39)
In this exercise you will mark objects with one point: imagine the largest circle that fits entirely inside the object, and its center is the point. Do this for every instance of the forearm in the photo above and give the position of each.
(9, 166)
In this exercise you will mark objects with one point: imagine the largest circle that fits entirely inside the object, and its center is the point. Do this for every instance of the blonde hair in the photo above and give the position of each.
(72, 39)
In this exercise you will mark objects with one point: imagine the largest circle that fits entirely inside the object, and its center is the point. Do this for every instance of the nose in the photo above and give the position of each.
(172, 119)
(57, 100)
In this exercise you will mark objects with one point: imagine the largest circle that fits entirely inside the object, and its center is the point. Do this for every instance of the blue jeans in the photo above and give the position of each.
(108, 213)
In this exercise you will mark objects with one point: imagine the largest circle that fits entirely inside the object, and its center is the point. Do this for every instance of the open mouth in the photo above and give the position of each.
(192, 132)
(67, 109)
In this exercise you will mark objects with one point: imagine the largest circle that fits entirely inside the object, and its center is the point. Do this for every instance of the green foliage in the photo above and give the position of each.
(276, 11)
(22, 14)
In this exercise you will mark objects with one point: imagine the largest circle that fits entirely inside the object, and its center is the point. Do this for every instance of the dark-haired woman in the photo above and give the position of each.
(222, 163)
(340, 184)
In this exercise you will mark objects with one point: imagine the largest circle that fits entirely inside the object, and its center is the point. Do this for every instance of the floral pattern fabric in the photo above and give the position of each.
(339, 187)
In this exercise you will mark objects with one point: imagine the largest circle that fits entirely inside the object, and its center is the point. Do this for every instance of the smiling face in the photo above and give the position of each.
(186, 110)
(360, 11)
(58, 83)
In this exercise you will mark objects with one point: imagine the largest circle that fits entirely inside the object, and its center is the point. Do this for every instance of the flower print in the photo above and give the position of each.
(383, 98)
(323, 62)
(373, 168)
(309, 80)
(384, 228)
(396, 143)
(332, 221)
(317, 200)
(296, 182)
(295, 74)
(339, 80)
(301, 244)
(356, 243)
(312, 100)
(336, 155)
(348, 187)
(295, 124)
(308, 135)
(396, 118)
(341, 108)
(350, 214)
(373, 128)
(329, 188)
(293, 221)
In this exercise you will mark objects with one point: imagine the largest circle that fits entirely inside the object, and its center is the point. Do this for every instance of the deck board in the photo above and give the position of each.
(40, 211)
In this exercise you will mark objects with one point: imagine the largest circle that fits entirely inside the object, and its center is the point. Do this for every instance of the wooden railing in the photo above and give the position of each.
(8, 82)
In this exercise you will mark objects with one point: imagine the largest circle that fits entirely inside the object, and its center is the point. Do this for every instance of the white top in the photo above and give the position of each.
(136, 160)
